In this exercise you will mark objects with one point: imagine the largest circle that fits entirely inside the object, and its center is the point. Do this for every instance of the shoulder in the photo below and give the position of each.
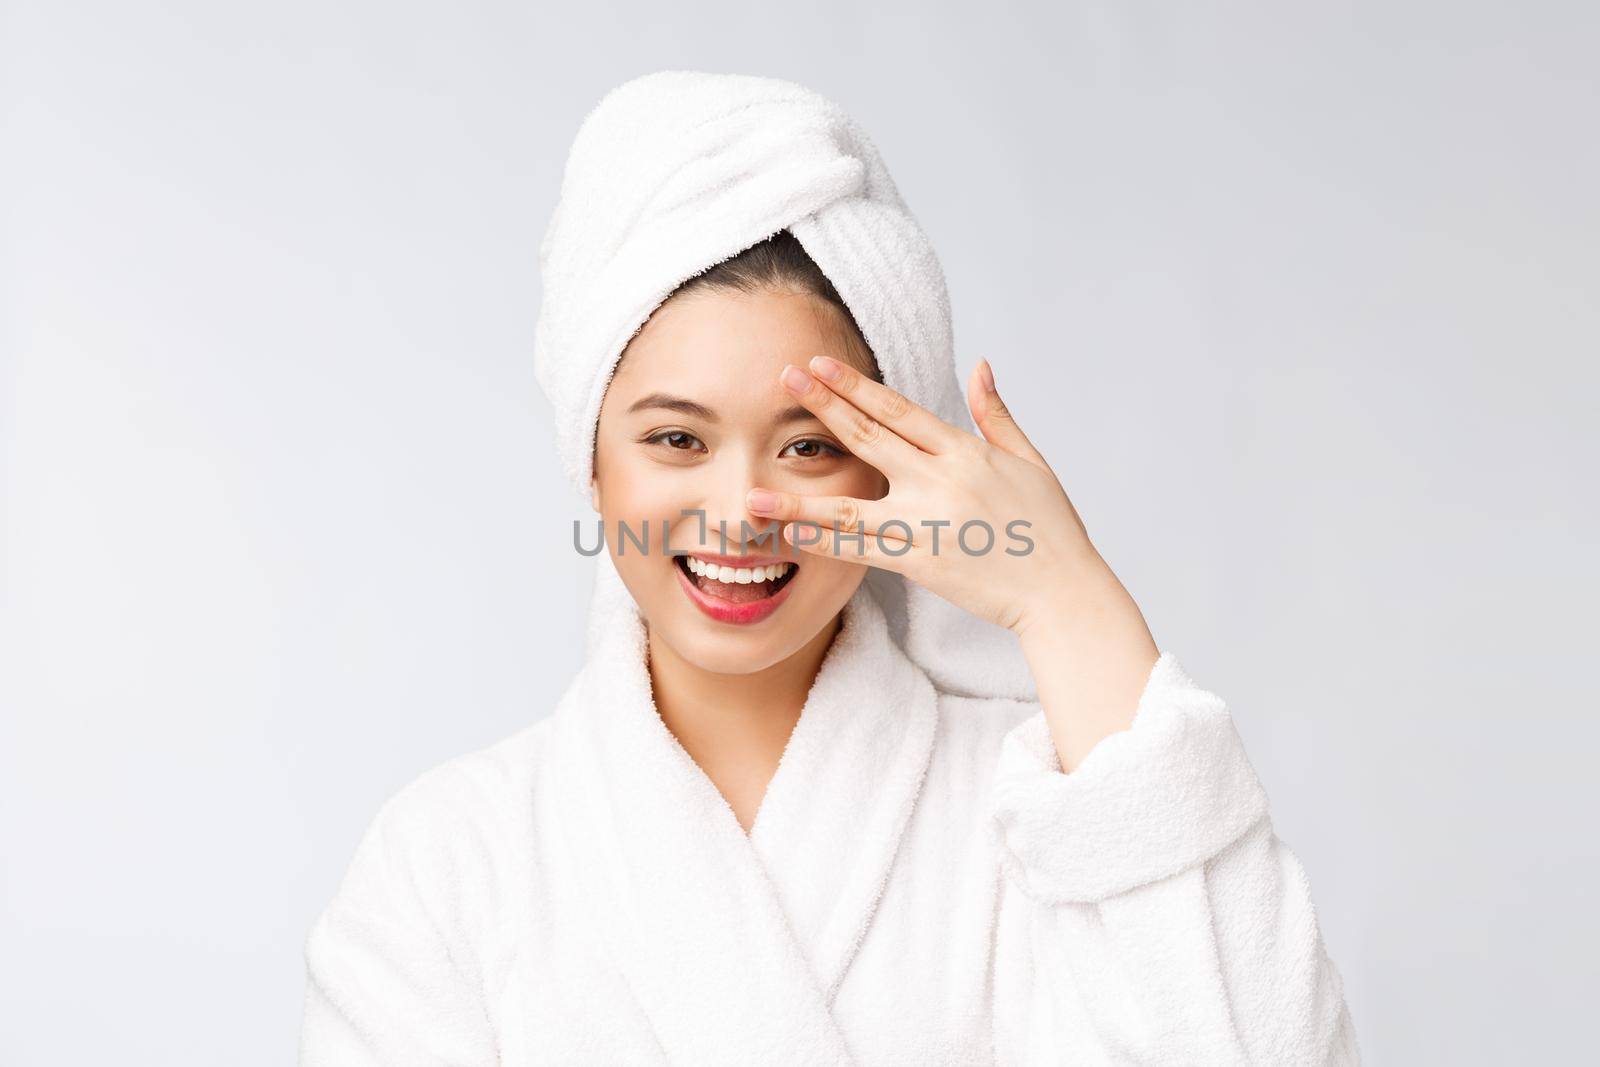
(430, 901)
(449, 838)
(972, 729)
(1169, 696)
(978, 716)
(474, 795)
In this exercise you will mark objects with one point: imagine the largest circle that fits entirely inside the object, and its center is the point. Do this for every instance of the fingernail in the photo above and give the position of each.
(761, 500)
(795, 379)
(827, 368)
(988, 376)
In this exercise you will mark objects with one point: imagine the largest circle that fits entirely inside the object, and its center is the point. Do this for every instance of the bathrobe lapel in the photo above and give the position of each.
(734, 945)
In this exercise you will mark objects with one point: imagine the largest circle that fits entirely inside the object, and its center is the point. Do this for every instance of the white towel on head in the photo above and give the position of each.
(676, 171)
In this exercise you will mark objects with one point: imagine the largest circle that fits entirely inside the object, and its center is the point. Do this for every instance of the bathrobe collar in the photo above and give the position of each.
(734, 945)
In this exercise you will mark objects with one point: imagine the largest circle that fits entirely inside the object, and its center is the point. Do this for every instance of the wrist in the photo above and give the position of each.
(1090, 617)
(1067, 595)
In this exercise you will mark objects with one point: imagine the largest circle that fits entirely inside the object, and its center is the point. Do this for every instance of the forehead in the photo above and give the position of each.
(711, 341)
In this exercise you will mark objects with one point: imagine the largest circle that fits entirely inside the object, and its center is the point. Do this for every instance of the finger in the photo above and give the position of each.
(994, 419)
(823, 540)
(859, 432)
(912, 422)
(847, 514)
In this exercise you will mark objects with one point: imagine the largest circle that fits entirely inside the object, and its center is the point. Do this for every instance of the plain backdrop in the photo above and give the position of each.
(1300, 301)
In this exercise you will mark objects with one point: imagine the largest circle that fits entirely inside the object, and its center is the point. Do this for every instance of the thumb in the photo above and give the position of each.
(994, 418)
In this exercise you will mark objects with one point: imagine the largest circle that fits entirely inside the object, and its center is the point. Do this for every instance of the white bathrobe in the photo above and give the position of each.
(922, 886)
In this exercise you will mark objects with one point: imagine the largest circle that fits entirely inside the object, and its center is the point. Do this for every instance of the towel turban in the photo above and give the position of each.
(675, 171)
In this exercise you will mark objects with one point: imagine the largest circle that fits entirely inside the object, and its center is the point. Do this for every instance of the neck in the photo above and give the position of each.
(736, 726)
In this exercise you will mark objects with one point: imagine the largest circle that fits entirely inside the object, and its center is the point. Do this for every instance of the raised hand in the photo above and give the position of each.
(1027, 564)
(982, 521)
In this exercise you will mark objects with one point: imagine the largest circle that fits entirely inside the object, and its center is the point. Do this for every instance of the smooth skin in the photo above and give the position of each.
(731, 695)
(1085, 640)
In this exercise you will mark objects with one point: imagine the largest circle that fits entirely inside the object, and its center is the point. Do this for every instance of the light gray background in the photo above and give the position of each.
(1300, 300)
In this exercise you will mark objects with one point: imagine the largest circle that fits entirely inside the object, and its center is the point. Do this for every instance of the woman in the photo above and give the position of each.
(925, 795)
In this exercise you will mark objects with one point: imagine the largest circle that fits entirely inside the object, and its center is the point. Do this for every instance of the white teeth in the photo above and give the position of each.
(739, 576)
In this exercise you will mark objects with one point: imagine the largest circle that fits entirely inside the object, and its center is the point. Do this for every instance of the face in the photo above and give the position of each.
(692, 420)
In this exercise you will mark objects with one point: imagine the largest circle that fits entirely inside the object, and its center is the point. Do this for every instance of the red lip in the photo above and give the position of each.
(725, 610)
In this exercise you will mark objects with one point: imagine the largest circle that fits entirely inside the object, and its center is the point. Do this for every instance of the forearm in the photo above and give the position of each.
(1090, 653)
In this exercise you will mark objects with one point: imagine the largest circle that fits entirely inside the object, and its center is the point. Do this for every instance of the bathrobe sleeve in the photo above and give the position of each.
(1166, 915)
(393, 974)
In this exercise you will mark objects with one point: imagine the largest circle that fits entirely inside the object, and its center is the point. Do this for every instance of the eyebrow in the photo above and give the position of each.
(667, 401)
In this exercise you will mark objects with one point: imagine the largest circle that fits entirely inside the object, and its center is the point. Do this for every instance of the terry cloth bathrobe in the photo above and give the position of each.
(922, 885)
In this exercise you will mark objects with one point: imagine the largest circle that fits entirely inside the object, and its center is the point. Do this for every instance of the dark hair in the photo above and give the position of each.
(780, 262)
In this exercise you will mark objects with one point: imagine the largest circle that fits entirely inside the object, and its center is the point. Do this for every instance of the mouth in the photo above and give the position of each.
(739, 595)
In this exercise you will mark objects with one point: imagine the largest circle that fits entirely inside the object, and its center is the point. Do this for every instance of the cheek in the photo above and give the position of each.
(629, 492)
(637, 506)
(861, 481)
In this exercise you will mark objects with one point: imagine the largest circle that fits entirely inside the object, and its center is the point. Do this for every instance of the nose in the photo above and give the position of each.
(730, 524)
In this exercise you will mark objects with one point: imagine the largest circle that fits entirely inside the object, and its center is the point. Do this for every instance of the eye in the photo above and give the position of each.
(817, 448)
(677, 440)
